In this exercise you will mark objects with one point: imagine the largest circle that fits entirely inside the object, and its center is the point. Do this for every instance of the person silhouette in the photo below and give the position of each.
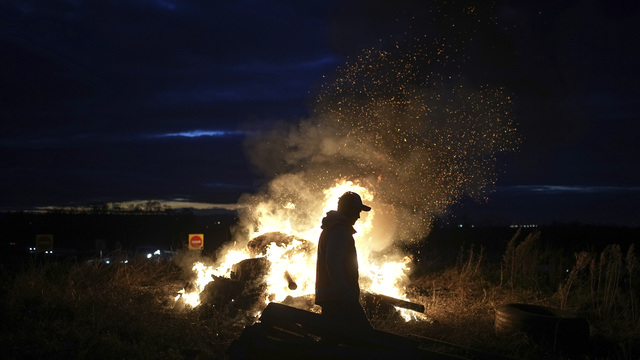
(337, 287)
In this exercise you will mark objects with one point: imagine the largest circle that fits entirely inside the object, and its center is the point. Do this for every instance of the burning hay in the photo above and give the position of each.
(280, 267)
(259, 245)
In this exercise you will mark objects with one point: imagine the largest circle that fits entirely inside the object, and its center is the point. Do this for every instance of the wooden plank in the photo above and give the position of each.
(285, 332)
(276, 314)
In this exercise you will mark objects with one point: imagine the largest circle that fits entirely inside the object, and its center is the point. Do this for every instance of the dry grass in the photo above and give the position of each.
(71, 310)
(88, 311)
(602, 287)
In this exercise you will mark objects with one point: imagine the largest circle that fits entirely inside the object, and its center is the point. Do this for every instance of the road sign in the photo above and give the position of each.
(196, 241)
(44, 242)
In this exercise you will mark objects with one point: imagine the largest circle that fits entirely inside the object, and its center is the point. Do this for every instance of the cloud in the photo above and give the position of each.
(201, 133)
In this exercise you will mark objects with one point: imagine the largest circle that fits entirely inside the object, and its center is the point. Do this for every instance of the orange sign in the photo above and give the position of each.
(196, 241)
(44, 242)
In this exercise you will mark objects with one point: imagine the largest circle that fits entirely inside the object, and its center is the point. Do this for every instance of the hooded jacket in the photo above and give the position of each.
(337, 263)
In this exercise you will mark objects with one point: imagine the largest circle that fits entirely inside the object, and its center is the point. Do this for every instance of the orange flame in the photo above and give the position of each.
(385, 277)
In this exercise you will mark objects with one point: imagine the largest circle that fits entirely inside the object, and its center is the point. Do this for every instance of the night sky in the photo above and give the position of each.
(106, 101)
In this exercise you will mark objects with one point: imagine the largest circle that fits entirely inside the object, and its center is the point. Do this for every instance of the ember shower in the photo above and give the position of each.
(401, 123)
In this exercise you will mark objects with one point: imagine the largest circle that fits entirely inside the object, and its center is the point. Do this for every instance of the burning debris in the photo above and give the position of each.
(248, 288)
(278, 267)
(394, 128)
(259, 245)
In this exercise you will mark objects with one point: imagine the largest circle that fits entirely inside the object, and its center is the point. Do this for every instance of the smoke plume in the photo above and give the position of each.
(404, 125)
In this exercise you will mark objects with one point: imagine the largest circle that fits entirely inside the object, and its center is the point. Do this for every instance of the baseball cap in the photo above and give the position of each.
(352, 200)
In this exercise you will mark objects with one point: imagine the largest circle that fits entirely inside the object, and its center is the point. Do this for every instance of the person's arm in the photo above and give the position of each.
(336, 256)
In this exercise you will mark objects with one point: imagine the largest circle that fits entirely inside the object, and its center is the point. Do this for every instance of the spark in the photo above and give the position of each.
(406, 123)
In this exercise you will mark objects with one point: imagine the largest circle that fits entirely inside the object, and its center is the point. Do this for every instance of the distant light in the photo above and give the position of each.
(459, 225)
(157, 252)
(149, 256)
(108, 262)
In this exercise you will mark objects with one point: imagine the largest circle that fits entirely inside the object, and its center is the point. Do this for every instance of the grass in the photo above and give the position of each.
(601, 286)
(127, 311)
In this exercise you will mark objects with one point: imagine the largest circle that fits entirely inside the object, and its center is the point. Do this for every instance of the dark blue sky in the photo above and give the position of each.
(151, 99)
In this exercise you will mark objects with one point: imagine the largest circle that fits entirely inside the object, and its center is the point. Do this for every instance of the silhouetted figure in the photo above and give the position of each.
(337, 288)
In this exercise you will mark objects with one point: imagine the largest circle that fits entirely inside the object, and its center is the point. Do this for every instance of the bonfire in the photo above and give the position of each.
(277, 263)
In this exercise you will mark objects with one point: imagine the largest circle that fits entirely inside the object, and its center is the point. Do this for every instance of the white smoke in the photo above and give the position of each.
(417, 138)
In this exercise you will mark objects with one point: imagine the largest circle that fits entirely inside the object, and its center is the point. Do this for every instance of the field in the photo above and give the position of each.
(72, 309)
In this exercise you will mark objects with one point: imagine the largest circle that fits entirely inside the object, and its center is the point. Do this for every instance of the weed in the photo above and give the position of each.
(58, 310)
(606, 281)
(521, 261)
(77, 310)
(564, 289)
(469, 268)
(633, 273)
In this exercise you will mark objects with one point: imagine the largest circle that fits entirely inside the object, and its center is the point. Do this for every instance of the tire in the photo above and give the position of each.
(548, 326)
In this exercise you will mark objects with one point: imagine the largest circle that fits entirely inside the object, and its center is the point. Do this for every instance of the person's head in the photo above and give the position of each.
(350, 204)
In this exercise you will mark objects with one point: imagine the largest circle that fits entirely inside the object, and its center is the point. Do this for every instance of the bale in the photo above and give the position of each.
(221, 291)
(251, 270)
(258, 245)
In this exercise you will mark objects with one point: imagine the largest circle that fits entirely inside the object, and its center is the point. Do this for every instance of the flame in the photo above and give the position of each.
(204, 275)
(382, 275)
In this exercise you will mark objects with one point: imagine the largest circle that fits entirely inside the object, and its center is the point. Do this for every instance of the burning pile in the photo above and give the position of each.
(278, 263)
(405, 130)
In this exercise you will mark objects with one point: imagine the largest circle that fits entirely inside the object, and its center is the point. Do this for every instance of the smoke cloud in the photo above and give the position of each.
(404, 125)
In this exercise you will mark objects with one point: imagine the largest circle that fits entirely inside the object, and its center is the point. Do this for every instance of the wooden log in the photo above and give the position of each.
(291, 283)
(399, 303)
